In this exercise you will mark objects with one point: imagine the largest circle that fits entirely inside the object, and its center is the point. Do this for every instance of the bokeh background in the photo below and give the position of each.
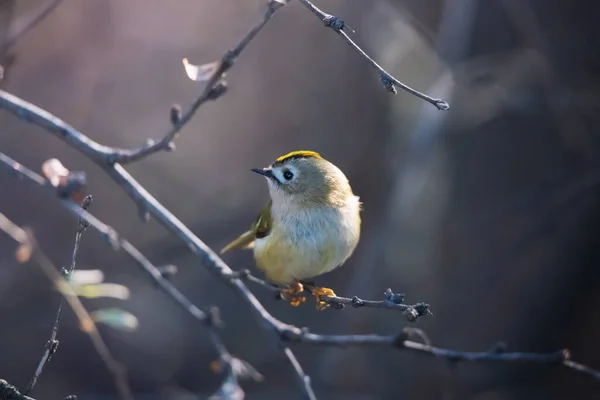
(488, 211)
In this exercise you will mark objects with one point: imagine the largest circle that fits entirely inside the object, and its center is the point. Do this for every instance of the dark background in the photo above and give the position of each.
(488, 211)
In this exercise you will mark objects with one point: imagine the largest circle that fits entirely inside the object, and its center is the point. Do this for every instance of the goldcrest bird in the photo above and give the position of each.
(310, 226)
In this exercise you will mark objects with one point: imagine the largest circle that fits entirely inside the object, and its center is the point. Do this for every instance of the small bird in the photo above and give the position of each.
(310, 226)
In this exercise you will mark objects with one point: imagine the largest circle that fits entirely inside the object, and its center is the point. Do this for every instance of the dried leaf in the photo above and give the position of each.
(55, 172)
(200, 73)
(71, 185)
(86, 277)
(23, 253)
(114, 290)
(116, 318)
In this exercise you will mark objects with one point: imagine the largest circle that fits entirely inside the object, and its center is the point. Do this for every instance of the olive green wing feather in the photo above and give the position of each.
(260, 228)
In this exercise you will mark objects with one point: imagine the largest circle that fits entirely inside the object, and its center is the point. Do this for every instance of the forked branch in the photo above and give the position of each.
(111, 160)
(290, 333)
(28, 249)
(386, 79)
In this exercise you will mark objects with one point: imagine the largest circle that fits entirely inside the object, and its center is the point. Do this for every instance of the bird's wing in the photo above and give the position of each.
(260, 228)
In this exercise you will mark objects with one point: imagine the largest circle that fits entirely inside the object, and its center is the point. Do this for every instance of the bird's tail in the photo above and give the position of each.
(244, 241)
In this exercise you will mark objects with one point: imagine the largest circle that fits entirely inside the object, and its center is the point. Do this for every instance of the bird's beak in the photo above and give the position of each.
(264, 172)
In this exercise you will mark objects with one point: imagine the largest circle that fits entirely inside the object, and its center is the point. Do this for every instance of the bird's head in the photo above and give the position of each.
(304, 178)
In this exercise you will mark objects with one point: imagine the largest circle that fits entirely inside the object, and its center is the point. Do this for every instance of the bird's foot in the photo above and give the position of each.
(293, 294)
(322, 291)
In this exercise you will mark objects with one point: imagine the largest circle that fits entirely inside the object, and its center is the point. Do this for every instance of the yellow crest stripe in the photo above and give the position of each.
(298, 154)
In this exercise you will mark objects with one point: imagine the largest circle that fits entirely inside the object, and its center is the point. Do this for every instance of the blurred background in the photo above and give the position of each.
(489, 211)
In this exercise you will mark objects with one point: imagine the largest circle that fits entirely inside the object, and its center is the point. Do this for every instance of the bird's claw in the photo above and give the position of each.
(293, 294)
(318, 292)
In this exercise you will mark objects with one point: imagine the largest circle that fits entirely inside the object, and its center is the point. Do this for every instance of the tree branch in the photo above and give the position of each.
(112, 238)
(211, 319)
(29, 249)
(292, 333)
(52, 344)
(393, 301)
(110, 159)
(386, 79)
(213, 89)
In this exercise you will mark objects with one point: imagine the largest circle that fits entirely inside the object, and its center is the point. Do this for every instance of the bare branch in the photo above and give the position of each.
(110, 159)
(136, 191)
(113, 238)
(303, 379)
(386, 79)
(27, 241)
(213, 89)
(235, 371)
(110, 155)
(52, 344)
(495, 354)
(211, 319)
(393, 301)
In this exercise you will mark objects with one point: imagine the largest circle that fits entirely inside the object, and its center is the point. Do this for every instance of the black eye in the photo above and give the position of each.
(288, 175)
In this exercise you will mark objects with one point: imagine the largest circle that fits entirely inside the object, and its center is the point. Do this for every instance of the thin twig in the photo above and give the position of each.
(393, 301)
(112, 238)
(386, 79)
(213, 89)
(27, 241)
(245, 274)
(116, 242)
(234, 368)
(52, 344)
(303, 379)
(561, 357)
